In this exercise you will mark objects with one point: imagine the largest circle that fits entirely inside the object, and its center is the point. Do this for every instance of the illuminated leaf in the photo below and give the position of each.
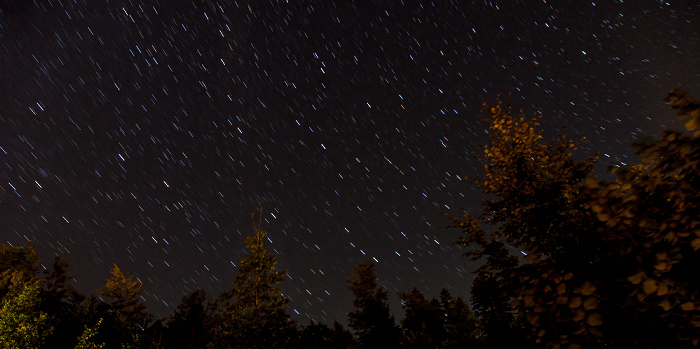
(636, 279)
(695, 244)
(594, 319)
(660, 266)
(688, 306)
(649, 286)
(561, 288)
(575, 302)
(591, 303)
(588, 288)
(603, 217)
(534, 319)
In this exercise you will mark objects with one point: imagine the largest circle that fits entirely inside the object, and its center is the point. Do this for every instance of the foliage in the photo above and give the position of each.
(461, 327)
(318, 335)
(186, 328)
(687, 108)
(60, 300)
(253, 313)
(606, 263)
(654, 208)
(22, 323)
(18, 258)
(492, 291)
(423, 324)
(341, 337)
(371, 318)
(535, 206)
(126, 315)
(433, 323)
(86, 341)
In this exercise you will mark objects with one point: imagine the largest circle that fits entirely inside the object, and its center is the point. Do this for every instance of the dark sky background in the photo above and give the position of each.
(143, 133)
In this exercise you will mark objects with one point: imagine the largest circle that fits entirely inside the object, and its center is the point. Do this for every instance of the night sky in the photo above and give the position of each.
(144, 133)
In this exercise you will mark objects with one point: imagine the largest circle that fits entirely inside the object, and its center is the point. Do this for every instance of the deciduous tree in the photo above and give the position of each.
(606, 263)
(22, 323)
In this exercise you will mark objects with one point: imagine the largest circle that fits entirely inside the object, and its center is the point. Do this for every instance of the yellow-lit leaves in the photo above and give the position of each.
(591, 303)
(637, 278)
(662, 290)
(594, 319)
(688, 306)
(649, 286)
(603, 217)
(533, 319)
(588, 288)
(575, 302)
(661, 266)
(529, 300)
(695, 244)
(561, 288)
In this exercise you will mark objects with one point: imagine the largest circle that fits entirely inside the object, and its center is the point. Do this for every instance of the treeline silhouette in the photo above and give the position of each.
(566, 261)
(48, 312)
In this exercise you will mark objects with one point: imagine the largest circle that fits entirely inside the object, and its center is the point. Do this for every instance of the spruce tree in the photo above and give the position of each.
(254, 312)
(461, 327)
(187, 327)
(371, 318)
(424, 322)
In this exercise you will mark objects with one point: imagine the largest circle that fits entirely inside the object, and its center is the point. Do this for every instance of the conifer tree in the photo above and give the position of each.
(187, 327)
(461, 327)
(59, 302)
(423, 323)
(371, 318)
(126, 316)
(253, 313)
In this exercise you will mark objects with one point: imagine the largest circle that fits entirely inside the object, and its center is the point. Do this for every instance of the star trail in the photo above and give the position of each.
(143, 133)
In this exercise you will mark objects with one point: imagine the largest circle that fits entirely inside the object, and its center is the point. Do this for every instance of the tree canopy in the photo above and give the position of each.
(605, 263)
